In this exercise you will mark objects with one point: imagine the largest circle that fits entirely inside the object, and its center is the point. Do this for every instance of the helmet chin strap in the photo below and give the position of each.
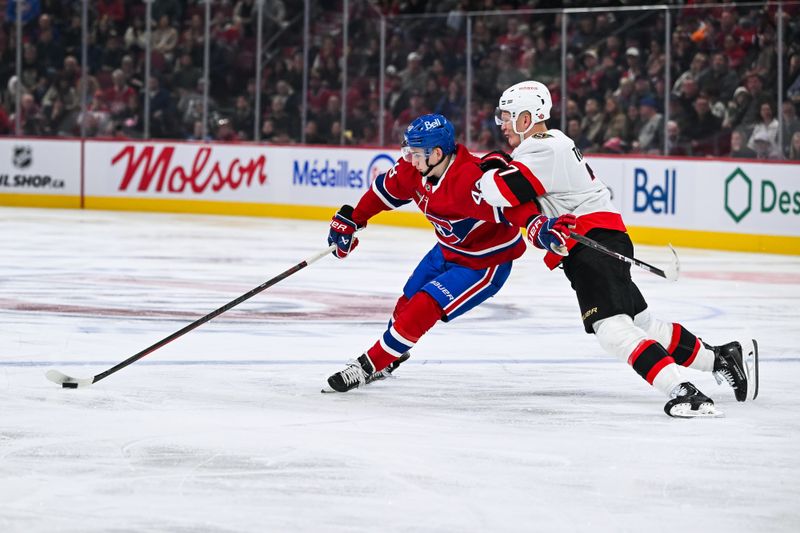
(522, 133)
(434, 179)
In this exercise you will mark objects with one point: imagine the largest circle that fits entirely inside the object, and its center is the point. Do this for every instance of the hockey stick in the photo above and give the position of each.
(68, 382)
(671, 273)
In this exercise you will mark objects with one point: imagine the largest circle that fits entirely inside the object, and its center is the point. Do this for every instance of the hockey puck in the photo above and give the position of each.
(69, 385)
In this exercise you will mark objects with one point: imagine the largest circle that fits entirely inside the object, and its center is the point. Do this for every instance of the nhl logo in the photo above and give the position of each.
(23, 156)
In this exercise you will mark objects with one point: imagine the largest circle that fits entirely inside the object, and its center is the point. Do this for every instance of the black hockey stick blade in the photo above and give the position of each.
(69, 382)
(670, 274)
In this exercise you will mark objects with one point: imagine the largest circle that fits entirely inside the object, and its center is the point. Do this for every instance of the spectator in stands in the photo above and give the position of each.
(111, 56)
(284, 123)
(794, 147)
(242, 121)
(575, 133)
(5, 125)
(702, 127)
(312, 133)
(634, 63)
(331, 114)
(32, 121)
(162, 117)
(766, 59)
(615, 145)
(614, 125)
(224, 130)
(453, 104)
(739, 148)
(696, 71)
(32, 68)
(132, 120)
(649, 140)
(791, 124)
(118, 95)
(718, 79)
(734, 114)
(766, 131)
(677, 144)
(633, 124)
(71, 36)
(416, 107)
(114, 10)
(413, 76)
(60, 107)
(755, 86)
(734, 51)
(592, 125)
(624, 94)
(49, 52)
(762, 145)
(164, 38)
(792, 79)
(186, 74)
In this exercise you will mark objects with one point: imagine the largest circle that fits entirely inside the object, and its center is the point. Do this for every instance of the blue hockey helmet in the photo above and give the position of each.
(428, 132)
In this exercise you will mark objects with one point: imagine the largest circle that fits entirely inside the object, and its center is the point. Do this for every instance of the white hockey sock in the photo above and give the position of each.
(704, 360)
(695, 356)
(620, 337)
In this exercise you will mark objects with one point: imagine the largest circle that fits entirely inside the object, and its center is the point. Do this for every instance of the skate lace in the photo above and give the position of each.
(727, 375)
(352, 374)
(678, 391)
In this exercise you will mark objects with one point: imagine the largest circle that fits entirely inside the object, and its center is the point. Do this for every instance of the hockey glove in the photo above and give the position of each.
(341, 232)
(494, 160)
(551, 234)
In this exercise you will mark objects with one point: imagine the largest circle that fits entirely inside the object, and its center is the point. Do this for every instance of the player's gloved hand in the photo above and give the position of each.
(551, 234)
(494, 160)
(342, 230)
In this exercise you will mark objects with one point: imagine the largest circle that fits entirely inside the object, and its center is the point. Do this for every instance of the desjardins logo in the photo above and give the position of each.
(767, 197)
(738, 195)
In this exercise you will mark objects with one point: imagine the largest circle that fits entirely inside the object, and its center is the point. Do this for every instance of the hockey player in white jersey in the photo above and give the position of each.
(545, 167)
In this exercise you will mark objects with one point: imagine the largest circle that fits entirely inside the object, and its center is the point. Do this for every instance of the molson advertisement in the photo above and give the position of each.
(228, 178)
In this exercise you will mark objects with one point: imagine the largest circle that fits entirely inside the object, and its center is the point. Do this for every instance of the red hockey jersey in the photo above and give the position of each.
(471, 233)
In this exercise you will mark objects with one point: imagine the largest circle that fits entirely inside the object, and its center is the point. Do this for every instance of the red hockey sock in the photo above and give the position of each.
(412, 319)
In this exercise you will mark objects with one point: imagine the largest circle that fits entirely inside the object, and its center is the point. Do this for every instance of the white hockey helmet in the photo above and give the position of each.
(531, 96)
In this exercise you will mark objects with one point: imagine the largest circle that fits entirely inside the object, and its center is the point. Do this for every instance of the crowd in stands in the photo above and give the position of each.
(722, 96)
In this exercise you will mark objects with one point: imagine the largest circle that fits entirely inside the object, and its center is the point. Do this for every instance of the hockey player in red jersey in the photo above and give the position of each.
(546, 168)
(469, 264)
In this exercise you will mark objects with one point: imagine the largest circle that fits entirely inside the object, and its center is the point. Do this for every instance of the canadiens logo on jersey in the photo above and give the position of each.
(452, 231)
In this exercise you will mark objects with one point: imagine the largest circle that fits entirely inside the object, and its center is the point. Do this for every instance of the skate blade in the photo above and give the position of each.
(705, 410)
(750, 363)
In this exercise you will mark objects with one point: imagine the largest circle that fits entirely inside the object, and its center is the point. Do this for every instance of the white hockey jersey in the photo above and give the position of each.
(562, 182)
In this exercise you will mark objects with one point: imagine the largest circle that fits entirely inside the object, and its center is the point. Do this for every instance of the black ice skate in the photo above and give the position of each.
(387, 372)
(738, 365)
(353, 376)
(688, 402)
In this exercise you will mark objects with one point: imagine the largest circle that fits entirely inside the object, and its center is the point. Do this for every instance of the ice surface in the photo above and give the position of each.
(507, 419)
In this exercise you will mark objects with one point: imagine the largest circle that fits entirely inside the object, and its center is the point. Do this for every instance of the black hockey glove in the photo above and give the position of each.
(494, 160)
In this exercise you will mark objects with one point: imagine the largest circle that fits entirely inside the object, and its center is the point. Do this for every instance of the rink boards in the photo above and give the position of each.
(718, 204)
